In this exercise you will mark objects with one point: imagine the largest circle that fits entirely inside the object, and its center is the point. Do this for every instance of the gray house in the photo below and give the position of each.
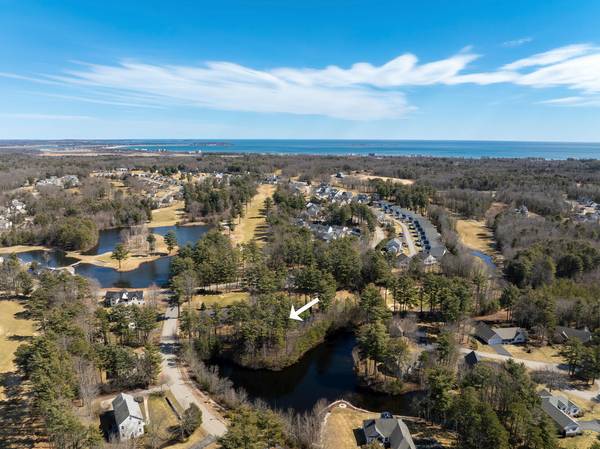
(562, 403)
(128, 417)
(390, 432)
(500, 335)
(562, 334)
(566, 425)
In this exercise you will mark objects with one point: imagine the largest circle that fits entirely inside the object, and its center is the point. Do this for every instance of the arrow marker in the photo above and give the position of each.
(295, 314)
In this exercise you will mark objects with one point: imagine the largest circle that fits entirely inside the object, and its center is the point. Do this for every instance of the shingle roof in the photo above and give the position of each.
(472, 358)
(566, 333)
(125, 406)
(506, 333)
(392, 428)
(562, 419)
(484, 332)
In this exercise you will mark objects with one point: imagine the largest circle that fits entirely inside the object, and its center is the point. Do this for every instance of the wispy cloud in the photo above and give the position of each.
(36, 116)
(517, 42)
(362, 91)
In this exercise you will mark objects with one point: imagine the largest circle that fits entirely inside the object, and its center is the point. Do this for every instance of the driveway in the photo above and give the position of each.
(500, 349)
(410, 243)
(184, 390)
(592, 425)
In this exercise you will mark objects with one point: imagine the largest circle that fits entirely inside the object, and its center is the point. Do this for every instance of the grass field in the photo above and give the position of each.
(19, 249)
(476, 235)
(223, 299)
(13, 330)
(253, 223)
(168, 216)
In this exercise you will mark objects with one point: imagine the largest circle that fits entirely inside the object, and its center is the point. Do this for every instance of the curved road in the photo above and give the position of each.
(590, 395)
(182, 388)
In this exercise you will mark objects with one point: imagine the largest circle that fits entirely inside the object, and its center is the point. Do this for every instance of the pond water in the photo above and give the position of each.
(148, 273)
(53, 259)
(326, 372)
(486, 258)
(109, 238)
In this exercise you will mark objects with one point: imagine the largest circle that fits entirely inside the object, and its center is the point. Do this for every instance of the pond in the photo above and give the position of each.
(148, 273)
(52, 259)
(109, 238)
(486, 258)
(326, 372)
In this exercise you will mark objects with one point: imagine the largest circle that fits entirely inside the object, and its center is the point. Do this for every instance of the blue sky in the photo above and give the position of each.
(508, 70)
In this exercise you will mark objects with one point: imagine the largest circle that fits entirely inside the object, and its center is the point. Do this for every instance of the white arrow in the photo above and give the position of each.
(295, 314)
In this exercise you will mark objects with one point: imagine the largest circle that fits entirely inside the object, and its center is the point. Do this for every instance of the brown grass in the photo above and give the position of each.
(168, 216)
(476, 235)
(222, 299)
(13, 330)
(343, 425)
(367, 177)
(253, 223)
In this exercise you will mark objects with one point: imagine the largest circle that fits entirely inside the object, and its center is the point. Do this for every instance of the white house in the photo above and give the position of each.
(128, 416)
(500, 335)
(394, 246)
(124, 297)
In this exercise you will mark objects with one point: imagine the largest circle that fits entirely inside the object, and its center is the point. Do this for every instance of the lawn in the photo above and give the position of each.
(548, 354)
(223, 299)
(253, 222)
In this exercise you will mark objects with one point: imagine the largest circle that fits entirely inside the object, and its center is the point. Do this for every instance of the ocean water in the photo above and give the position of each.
(437, 148)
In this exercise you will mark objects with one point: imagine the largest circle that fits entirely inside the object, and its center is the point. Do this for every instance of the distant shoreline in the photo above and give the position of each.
(466, 149)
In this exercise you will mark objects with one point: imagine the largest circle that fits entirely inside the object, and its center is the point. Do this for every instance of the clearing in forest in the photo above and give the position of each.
(168, 216)
(252, 224)
(14, 329)
(476, 235)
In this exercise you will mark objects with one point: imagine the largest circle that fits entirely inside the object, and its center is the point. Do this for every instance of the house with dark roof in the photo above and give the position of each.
(128, 417)
(124, 297)
(390, 432)
(562, 403)
(563, 334)
(566, 425)
(500, 335)
(472, 359)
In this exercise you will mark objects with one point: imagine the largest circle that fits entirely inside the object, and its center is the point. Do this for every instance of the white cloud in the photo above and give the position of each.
(361, 92)
(517, 42)
(36, 116)
(550, 57)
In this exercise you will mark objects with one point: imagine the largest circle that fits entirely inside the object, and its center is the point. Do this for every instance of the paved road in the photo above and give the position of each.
(378, 236)
(183, 390)
(591, 394)
(410, 243)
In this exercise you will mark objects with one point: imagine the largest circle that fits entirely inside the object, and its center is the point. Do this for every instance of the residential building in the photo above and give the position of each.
(566, 425)
(563, 334)
(472, 359)
(128, 417)
(500, 335)
(124, 297)
(562, 403)
(394, 246)
(390, 432)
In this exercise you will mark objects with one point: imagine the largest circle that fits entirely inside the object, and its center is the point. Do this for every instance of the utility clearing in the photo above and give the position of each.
(252, 224)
